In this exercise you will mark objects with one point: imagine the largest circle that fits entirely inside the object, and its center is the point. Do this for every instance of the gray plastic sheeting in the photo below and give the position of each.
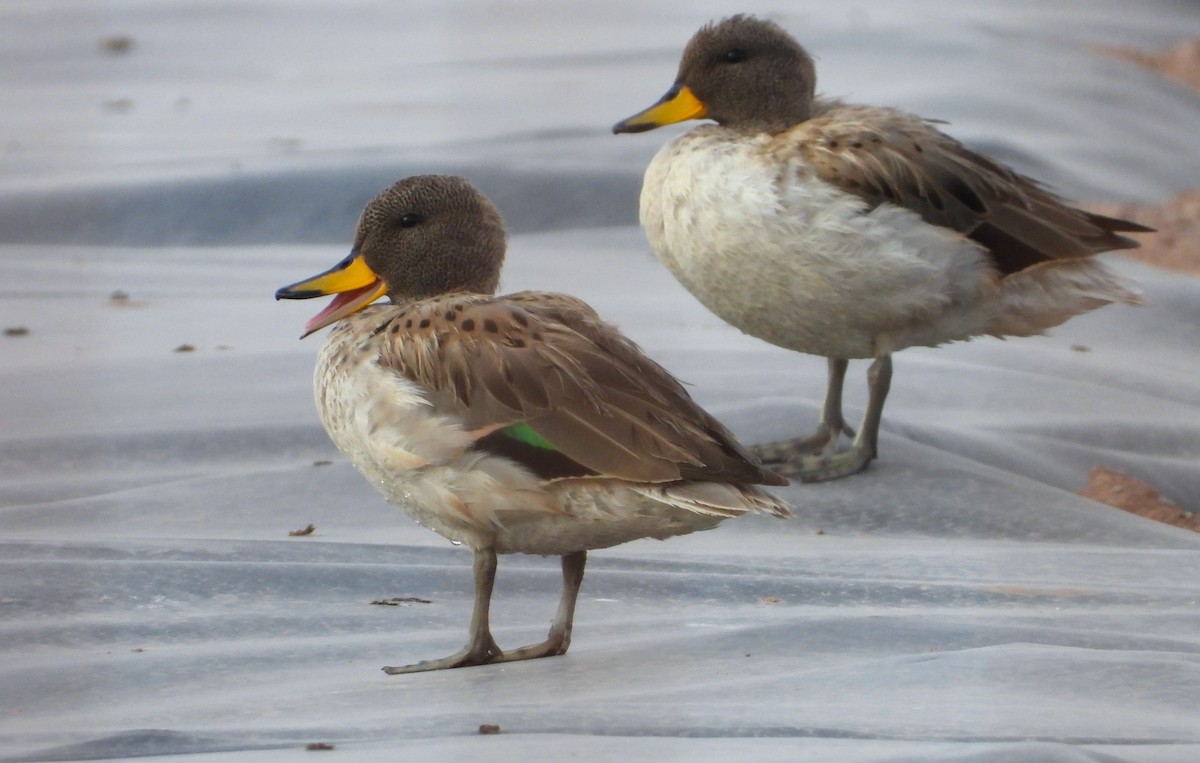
(955, 603)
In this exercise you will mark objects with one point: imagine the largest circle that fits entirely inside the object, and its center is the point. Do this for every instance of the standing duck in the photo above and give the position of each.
(851, 231)
(510, 424)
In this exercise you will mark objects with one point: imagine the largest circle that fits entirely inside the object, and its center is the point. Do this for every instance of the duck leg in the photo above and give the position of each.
(829, 430)
(879, 383)
(805, 463)
(560, 630)
(481, 647)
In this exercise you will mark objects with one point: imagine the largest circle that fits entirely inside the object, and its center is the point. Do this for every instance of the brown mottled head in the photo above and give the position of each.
(743, 72)
(432, 234)
(749, 73)
(424, 236)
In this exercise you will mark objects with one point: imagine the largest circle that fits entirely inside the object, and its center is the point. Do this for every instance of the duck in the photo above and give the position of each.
(851, 231)
(521, 423)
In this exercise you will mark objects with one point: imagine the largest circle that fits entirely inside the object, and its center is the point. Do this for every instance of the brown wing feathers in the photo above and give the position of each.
(548, 361)
(888, 156)
(664, 404)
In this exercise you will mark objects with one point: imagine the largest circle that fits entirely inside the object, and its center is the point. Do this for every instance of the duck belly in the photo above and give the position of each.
(387, 429)
(784, 256)
(598, 516)
(424, 463)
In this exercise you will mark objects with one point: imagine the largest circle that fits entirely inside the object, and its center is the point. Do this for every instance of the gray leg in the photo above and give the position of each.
(481, 647)
(560, 630)
(825, 438)
(879, 382)
(831, 414)
(825, 463)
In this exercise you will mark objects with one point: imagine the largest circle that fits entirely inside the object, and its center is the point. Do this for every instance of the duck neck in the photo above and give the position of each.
(783, 111)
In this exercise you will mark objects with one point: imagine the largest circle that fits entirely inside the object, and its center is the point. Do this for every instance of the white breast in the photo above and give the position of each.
(386, 427)
(783, 256)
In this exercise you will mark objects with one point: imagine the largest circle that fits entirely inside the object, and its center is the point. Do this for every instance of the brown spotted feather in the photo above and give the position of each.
(885, 155)
(549, 361)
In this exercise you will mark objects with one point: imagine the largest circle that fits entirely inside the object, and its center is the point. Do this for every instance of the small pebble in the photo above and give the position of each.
(117, 105)
(117, 44)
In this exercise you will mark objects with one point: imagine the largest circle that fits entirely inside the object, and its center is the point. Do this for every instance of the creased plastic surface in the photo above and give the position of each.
(955, 603)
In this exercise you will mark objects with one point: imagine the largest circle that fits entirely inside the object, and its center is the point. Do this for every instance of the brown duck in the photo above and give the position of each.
(851, 231)
(510, 424)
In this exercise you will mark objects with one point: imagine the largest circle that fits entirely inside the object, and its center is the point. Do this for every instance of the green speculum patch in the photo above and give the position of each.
(524, 433)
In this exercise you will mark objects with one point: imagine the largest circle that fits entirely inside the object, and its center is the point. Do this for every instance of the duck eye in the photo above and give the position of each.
(735, 56)
(410, 219)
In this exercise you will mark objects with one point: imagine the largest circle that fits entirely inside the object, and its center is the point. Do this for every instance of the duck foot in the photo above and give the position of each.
(816, 458)
(482, 648)
(472, 654)
(822, 467)
(822, 442)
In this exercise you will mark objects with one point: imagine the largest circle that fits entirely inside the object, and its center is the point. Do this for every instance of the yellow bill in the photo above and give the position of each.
(352, 280)
(678, 105)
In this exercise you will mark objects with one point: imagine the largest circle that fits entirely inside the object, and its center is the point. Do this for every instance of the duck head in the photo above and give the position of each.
(422, 237)
(742, 72)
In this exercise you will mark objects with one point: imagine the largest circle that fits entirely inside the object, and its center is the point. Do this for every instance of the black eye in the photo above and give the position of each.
(410, 219)
(735, 56)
